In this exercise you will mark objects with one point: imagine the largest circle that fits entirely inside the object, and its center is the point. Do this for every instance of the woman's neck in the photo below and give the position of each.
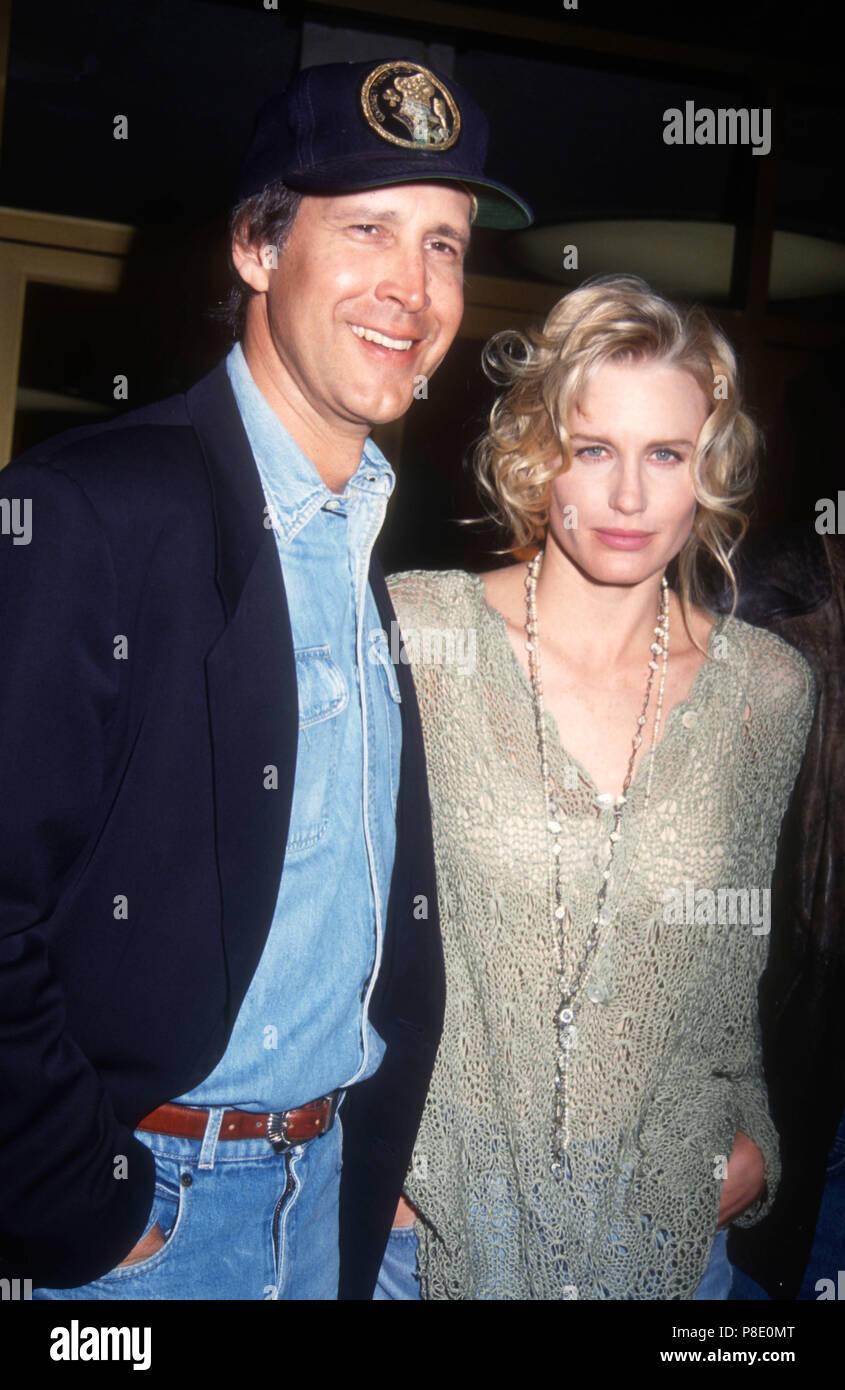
(594, 626)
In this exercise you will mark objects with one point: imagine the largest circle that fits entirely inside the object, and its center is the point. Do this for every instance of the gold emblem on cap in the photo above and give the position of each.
(407, 105)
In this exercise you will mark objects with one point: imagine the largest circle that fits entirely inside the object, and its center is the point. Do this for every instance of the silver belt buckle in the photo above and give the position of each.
(277, 1131)
(277, 1125)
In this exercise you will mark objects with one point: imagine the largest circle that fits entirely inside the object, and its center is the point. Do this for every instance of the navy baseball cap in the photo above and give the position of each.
(341, 127)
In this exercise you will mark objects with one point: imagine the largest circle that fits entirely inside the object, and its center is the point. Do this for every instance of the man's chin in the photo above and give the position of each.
(391, 408)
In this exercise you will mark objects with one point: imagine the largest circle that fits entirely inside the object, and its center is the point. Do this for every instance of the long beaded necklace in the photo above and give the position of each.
(570, 994)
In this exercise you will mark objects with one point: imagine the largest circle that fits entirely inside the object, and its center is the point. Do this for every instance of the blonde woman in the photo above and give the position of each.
(607, 781)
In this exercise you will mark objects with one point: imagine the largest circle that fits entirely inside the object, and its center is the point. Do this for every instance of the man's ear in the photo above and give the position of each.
(253, 263)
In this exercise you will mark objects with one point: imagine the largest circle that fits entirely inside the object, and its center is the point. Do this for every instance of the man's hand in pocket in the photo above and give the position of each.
(147, 1246)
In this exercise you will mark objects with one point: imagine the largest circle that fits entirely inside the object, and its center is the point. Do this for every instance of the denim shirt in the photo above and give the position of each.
(302, 1029)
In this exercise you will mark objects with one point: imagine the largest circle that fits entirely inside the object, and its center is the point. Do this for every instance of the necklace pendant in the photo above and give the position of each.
(560, 1164)
(597, 990)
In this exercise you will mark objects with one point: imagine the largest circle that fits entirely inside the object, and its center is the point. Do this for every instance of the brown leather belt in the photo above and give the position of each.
(283, 1129)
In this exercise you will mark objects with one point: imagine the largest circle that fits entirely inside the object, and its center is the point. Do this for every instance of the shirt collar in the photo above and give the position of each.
(293, 488)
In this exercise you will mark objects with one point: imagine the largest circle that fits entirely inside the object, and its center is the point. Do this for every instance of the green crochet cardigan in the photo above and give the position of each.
(667, 1066)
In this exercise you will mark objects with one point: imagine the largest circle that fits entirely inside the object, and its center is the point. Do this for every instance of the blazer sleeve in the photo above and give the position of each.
(76, 1187)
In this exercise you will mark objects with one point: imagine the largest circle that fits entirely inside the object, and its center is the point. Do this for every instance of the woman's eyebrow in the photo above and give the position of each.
(654, 443)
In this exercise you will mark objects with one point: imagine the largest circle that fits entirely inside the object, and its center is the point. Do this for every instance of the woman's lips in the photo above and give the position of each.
(624, 540)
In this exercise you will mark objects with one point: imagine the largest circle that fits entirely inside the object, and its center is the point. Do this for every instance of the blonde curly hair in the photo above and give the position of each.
(546, 372)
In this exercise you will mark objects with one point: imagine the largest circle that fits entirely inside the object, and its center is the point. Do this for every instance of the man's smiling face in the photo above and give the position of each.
(367, 296)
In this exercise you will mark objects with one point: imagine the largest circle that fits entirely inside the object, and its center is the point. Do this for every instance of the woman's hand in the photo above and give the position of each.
(405, 1214)
(745, 1181)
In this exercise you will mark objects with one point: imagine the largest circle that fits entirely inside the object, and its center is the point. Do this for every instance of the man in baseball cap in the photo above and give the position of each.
(225, 992)
(348, 126)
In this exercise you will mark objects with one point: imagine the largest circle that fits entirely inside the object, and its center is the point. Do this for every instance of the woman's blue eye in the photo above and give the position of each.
(595, 451)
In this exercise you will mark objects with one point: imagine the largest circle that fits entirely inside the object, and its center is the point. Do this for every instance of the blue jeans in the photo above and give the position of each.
(242, 1222)
(398, 1277)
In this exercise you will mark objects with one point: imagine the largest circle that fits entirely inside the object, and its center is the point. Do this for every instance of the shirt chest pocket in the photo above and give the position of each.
(323, 696)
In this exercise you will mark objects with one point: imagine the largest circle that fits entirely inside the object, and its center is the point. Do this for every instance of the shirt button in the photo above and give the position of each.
(688, 718)
(332, 504)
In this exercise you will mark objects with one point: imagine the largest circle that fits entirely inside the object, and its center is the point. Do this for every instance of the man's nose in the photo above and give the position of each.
(404, 280)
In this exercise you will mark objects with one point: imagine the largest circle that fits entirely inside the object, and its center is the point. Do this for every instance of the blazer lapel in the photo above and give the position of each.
(235, 485)
(251, 683)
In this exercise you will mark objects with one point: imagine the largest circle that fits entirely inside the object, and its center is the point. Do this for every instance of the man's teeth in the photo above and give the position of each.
(398, 344)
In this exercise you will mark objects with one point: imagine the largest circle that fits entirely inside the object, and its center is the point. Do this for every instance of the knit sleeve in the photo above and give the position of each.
(753, 1119)
(781, 700)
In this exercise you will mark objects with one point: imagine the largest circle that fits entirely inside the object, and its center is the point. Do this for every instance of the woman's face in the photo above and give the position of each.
(625, 506)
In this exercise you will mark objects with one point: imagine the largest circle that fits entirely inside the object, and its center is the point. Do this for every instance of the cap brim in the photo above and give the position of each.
(498, 207)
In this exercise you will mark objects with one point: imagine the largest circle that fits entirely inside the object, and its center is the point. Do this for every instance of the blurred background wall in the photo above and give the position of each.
(113, 251)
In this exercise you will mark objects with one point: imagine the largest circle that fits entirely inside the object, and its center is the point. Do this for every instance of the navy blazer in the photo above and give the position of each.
(148, 682)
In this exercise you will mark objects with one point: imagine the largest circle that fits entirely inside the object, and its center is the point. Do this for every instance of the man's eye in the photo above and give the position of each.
(365, 227)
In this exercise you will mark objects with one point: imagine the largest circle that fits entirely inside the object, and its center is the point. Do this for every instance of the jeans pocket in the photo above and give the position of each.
(398, 1279)
(165, 1208)
(167, 1211)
